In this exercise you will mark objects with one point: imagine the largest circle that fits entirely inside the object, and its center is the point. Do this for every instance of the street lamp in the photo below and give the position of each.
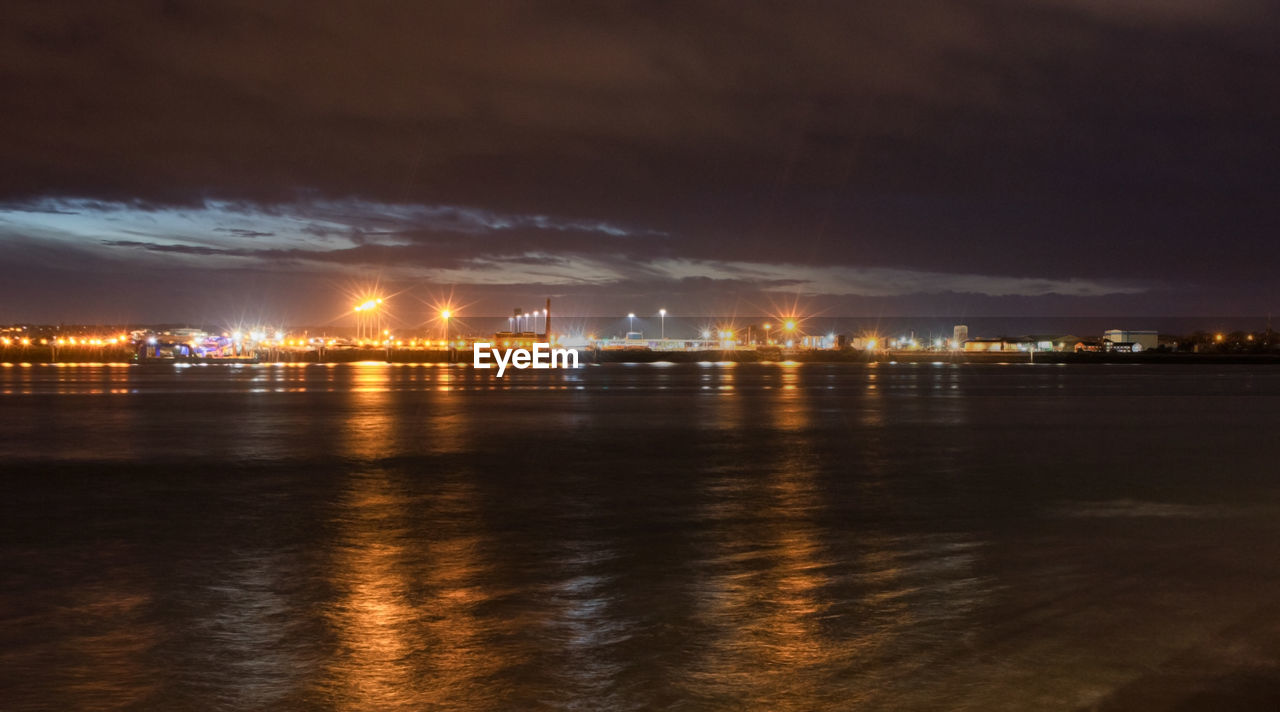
(364, 320)
(767, 327)
(631, 322)
(445, 314)
(662, 314)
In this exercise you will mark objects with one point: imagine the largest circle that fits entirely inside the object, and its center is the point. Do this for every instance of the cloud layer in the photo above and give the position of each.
(1019, 152)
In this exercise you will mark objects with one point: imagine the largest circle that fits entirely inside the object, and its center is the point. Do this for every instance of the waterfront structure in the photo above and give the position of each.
(1142, 340)
(818, 341)
(1054, 342)
(525, 338)
(1000, 344)
(959, 335)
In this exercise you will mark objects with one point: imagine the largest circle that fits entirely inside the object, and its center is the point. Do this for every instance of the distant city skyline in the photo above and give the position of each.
(206, 162)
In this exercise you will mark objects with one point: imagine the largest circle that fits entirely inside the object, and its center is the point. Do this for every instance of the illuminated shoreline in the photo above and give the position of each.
(13, 357)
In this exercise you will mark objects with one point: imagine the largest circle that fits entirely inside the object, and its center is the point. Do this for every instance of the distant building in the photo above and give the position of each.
(517, 339)
(1122, 347)
(979, 345)
(816, 341)
(1054, 342)
(1141, 340)
(525, 339)
(959, 335)
(634, 341)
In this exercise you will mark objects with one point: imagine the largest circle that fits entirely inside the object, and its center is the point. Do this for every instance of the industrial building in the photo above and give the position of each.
(1134, 340)
(525, 339)
(1054, 342)
(978, 345)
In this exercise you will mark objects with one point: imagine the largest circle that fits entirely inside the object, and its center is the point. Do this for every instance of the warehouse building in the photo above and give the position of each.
(1140, 340)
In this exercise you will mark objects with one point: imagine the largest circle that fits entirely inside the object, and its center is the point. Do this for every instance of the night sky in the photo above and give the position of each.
(170, 161)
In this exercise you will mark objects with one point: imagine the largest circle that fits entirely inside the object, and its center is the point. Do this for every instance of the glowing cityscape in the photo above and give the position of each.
(371, 331)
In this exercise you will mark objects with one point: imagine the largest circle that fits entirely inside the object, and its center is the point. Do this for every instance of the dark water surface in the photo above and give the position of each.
(815, 537)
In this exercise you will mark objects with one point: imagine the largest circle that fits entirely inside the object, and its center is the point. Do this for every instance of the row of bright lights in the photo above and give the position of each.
(376, 302)
(447, 313)
(371, 304)
(281, 340)
(68, 341)
(728, 333)
(725, 334)
(387, 340)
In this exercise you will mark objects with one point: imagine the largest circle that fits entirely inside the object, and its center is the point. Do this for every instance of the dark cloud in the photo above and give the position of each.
(241, 232)
(178, 249)
(1056, 140)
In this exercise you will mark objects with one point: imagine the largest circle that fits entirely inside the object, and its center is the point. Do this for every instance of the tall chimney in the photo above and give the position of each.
(546, 324)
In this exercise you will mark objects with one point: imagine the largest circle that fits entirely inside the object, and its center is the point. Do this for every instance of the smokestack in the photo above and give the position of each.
(546, 324)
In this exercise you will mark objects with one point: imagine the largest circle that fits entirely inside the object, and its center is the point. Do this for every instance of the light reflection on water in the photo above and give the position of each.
(373, 617)
(699, 536)
(106, 664)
